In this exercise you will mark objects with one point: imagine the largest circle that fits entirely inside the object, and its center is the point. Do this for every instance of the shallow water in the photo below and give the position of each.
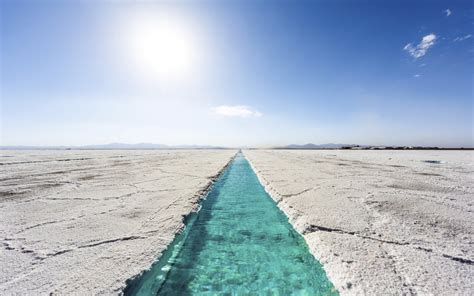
(239, 243)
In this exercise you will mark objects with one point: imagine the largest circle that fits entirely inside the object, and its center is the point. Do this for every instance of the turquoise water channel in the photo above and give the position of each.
(239, 243)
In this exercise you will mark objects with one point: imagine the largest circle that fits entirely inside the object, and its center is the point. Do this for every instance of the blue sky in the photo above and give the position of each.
(237, 73)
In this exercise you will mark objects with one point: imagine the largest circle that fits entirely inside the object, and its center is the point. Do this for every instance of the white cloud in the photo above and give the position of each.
(448, 12)
(462, 38)
(236, 111)
(417, 75)
(420, 50)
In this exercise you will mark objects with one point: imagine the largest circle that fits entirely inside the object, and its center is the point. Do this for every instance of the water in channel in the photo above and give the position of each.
(239, 243)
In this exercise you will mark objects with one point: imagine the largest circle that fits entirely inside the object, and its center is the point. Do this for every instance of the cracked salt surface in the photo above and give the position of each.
(239, 243)
(82, 222)
(381, 222)
(385, 222)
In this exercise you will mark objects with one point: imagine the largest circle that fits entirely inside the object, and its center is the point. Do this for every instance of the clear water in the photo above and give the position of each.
(239, 243)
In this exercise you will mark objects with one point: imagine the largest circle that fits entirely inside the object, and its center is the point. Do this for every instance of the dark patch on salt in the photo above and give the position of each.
(433, 161)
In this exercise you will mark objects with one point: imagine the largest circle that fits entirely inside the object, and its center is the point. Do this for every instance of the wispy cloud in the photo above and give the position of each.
(462, 38)
(236, 111)
(417, 75)
(421, 48)
(448, 12)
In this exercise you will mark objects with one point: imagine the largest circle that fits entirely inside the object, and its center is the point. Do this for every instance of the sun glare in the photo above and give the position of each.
(162, 47)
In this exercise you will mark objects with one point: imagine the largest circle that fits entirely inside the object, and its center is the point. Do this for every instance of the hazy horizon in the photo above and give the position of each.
(139, 146)
(256, 74)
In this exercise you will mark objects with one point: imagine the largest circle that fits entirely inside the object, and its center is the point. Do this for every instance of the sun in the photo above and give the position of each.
(162, 47)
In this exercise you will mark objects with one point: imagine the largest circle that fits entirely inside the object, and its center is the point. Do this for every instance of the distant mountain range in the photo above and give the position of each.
(150, 146)
(112, 146)
(316, 146)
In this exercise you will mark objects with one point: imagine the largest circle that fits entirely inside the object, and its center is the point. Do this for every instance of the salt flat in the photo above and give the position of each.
(381, 222)
(82, 222)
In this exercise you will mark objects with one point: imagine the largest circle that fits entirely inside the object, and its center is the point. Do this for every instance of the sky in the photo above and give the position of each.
(237, 73)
